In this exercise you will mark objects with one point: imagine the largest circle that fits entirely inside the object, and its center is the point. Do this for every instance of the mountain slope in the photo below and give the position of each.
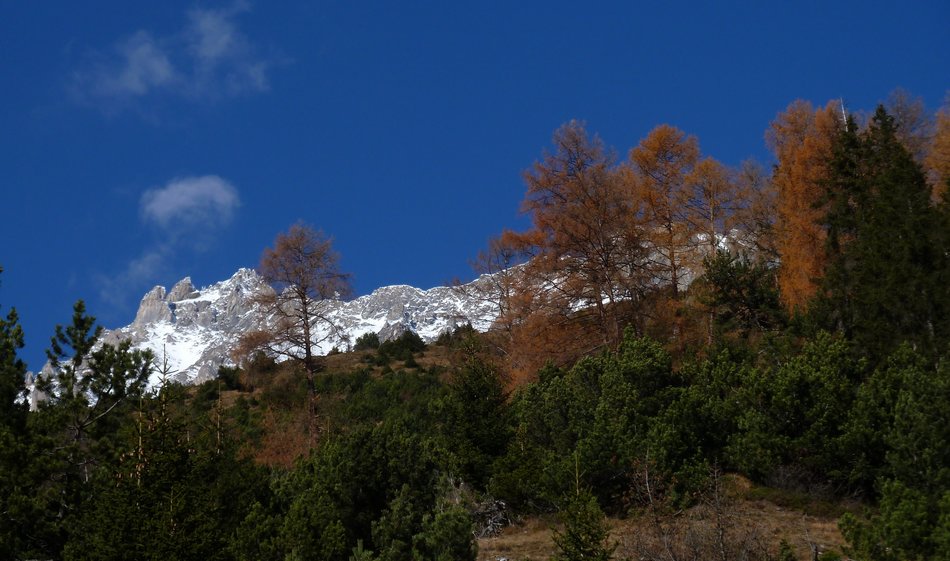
(193, 330)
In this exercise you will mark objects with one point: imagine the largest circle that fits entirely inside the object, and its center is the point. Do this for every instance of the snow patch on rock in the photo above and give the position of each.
(192, 331)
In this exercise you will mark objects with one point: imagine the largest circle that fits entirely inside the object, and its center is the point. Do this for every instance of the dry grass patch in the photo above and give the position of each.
(285, 439)
(751, 529)
(529, 540)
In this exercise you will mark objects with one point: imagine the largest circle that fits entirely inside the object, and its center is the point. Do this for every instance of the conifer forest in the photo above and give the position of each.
(677, 343)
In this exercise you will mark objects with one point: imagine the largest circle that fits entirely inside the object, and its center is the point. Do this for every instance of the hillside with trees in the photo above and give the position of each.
(684, 353)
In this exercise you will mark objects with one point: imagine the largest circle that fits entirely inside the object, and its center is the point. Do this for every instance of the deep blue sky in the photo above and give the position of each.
(142, 142)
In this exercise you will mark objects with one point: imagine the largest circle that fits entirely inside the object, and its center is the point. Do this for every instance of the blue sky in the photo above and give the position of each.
(143, 142)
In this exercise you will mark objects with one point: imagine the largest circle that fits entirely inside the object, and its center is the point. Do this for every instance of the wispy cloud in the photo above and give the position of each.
(187, 215)
(207, 201)
(208, 58)
(118, 288)
(223, 59)
(143, 66)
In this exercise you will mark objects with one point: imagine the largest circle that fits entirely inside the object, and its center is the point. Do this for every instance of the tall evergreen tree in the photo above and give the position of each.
(12, 372)
(14, 502)
(177, 492)
(887, 246)
(87, 390)
(476, 420)
(88, 395)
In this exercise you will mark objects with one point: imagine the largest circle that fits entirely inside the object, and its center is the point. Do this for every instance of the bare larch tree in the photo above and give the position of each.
(303, 270)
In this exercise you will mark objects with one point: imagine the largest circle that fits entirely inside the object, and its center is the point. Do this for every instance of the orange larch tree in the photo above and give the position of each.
(586, 245)
(755, 216)
(712, 204)
(587, 227)
(303, 269)
(938, 157)
(802, 141)
(500, 266)
(659, 167)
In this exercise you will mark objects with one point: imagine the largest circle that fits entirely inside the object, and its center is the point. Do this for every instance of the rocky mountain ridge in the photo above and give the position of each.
(193, 330)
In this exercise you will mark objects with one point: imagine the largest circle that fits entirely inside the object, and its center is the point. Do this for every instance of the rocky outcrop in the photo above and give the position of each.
(194, 331)
(153, 308)
(182, 290)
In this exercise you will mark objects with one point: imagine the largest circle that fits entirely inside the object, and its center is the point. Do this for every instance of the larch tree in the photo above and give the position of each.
(587, 242)
(754, 218)
(712, 203)
(914, 124)
(801, 139)
(303, 269)
(660, 166)
(938, 157)
(501, 284)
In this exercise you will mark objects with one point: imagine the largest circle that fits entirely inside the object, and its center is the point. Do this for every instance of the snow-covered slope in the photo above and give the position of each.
(194, 330)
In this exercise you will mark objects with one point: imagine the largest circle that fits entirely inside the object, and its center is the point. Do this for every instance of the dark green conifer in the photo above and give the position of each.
(15, 502)
(476, 420)
(887, 243)
(586, 535)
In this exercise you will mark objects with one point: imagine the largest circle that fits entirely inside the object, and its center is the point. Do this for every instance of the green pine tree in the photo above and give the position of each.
(913, 518)
(888, 246)
(15, 502)
(476, 420)
(89, 395)
(586, 534)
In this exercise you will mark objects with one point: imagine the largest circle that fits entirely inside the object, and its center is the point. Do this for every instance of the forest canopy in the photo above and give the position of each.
(665, 322)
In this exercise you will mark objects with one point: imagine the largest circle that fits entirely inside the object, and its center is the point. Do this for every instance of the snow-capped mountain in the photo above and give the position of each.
(195, 329)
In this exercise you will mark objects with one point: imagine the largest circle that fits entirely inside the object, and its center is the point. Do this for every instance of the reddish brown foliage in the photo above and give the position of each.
(612, 245)
(302, 266)
(660, 166)
(285, 439)
(801, 139)
(587, 243)
(938, 158)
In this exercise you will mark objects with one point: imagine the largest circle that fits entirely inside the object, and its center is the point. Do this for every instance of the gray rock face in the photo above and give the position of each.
(153, 308)
(195, 330)
(182, 290)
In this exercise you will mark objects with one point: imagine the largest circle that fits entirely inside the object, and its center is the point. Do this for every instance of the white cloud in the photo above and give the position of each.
(188, 214)
(144, 269)
(208, 58)
(144, 65)
(223, 59)
(207, 201)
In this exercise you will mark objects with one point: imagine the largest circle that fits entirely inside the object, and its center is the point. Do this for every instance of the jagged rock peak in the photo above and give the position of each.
(245, 275)
(182, 290)
(196, 329)
(153, 308)
(157, 293)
